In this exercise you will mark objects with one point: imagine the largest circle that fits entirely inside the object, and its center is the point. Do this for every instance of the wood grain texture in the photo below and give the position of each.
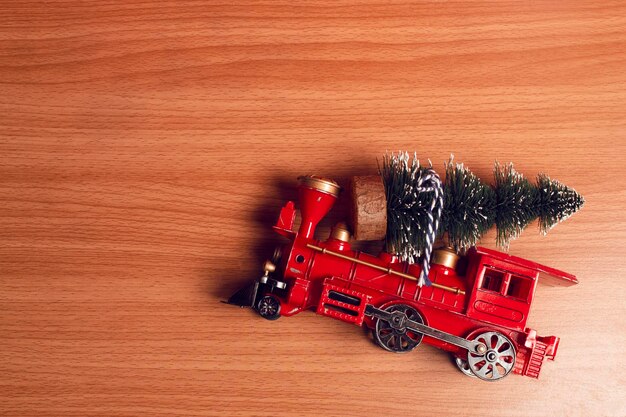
(145, 150)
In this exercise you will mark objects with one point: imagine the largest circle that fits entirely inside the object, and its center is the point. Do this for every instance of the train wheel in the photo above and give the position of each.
(464, 366)
(269, 307)
(394, 336)
(497, 361)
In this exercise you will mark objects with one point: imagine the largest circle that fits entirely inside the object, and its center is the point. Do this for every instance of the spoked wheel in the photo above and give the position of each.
(464, 366)
(497, 361)
(269, 307)
(394, 336)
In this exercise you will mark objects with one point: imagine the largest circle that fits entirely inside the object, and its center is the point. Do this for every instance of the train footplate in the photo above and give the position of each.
(343, 303)
(400, 321)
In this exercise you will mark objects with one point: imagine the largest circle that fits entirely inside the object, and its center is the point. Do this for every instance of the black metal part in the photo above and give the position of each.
(405, 323)
(245, 297)
(272, 284)
(269, 307)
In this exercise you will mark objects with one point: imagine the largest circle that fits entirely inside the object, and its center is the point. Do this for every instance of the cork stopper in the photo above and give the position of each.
(368, 208)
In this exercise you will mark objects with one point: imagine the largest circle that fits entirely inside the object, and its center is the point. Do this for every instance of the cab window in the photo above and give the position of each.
(519, 287)
(492, 279)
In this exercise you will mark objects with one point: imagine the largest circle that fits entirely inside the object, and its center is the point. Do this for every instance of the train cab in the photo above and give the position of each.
(504, 286)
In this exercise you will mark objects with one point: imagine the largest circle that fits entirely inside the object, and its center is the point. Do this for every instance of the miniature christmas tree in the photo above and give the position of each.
(470, 207)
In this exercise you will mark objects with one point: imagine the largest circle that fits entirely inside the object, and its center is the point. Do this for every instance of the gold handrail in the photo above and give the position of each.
(381, 268)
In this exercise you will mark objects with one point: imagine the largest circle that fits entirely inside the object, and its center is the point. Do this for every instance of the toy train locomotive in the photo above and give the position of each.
(475, 309)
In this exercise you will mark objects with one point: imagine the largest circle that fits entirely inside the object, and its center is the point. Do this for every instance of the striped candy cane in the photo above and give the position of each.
(430, 182)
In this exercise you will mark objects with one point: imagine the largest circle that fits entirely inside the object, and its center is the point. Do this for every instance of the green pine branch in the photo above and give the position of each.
(556, 202)
(407, 221)
(469, 207)
(516, 200)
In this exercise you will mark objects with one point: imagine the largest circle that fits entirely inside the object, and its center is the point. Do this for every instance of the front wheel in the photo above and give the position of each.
(269, 307)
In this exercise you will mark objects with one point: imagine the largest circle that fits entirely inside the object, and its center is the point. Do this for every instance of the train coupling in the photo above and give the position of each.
(249, 295)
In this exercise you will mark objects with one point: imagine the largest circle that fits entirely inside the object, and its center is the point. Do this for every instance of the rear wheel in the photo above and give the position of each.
(394, 336)
(498, 360)
(269, 307)
(464, 366)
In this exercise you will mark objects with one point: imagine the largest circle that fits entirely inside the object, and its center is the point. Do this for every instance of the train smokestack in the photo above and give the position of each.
(317, 196)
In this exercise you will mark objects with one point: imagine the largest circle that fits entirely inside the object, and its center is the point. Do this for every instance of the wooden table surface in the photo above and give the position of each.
(146, 148)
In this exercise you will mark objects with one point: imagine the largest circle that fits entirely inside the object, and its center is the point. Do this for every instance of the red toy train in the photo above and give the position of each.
(476, 309)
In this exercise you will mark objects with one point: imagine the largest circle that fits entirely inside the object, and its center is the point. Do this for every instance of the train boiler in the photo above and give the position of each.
(476, 307)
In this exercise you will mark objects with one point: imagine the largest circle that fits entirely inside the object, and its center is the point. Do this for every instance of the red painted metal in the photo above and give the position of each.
(499, 288)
